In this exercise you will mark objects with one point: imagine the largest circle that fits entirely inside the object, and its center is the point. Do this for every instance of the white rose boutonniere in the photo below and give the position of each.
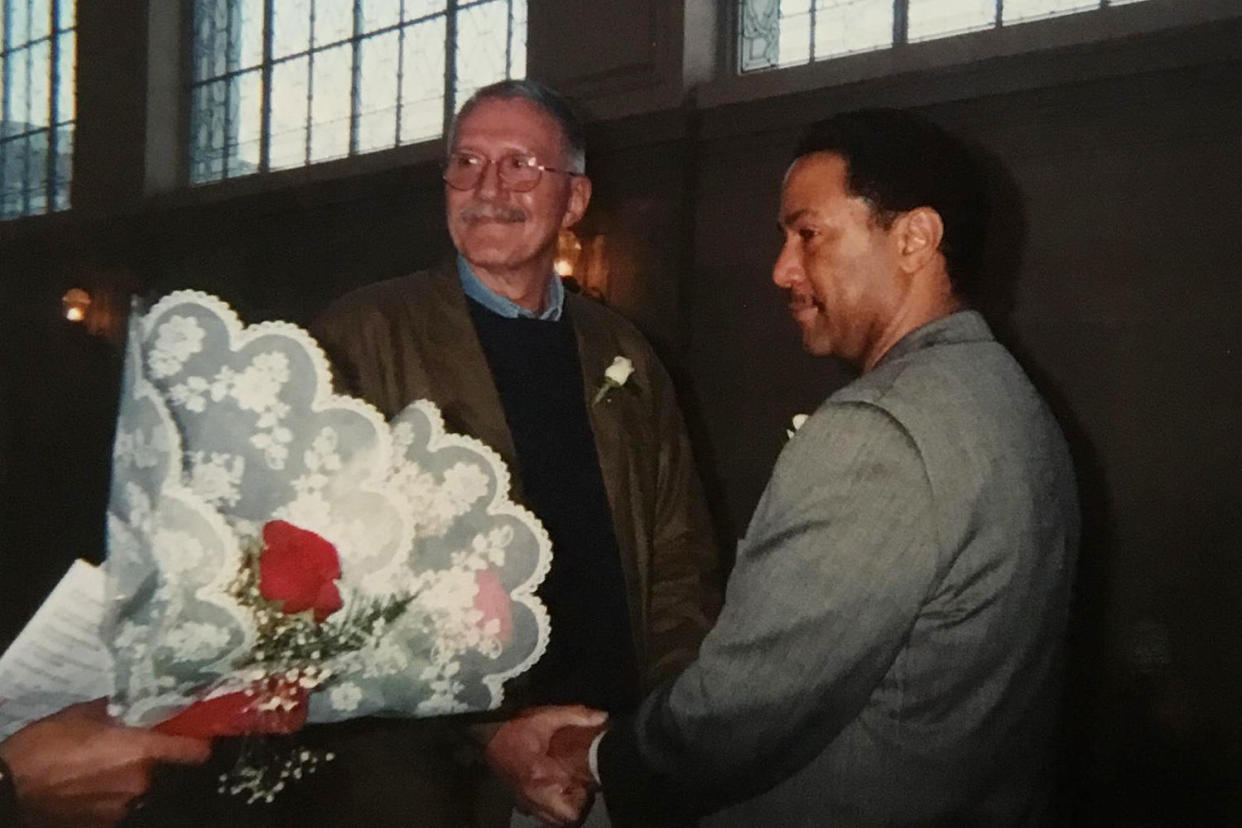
(798, 420)
(616, 375)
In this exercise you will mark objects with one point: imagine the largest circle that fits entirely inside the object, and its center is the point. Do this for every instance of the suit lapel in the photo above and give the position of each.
(457, 366)
(596, 350)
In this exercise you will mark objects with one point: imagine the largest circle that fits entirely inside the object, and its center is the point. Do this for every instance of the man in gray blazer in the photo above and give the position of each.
(889, 650)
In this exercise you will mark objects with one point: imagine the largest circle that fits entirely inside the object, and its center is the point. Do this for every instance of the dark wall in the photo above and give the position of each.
(1117, 251)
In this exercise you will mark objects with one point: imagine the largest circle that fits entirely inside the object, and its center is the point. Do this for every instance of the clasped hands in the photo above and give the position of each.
(542, 755)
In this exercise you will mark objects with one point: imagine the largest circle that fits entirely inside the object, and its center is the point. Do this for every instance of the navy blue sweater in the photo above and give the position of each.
(590, 658)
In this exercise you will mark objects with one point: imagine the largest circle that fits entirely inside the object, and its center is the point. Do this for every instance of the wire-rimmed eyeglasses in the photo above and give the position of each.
(520, 172)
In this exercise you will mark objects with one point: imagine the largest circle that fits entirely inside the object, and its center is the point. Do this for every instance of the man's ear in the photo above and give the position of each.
(579, 198)
(919, 232)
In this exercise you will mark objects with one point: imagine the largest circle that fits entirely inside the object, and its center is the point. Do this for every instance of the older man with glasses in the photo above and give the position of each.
(492, 337)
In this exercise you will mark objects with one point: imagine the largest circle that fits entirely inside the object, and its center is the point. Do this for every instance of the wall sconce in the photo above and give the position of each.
(568, 249)
(584, 265)
(74, 304)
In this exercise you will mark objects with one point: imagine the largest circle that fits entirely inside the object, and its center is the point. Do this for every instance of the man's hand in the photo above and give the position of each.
(571, 747)
(78, 767)
(519, 754)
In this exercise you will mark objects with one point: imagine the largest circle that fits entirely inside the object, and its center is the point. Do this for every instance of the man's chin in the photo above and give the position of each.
(816, 343)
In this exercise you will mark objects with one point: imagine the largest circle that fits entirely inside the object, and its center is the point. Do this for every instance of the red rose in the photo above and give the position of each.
(492, 599)
(299, 569)
(237, 714)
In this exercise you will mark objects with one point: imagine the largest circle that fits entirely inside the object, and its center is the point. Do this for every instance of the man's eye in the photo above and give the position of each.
(806, 233)
(518, 162)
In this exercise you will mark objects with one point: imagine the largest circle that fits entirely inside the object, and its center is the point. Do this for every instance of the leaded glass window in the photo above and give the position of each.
(38, 63)
(776, 33)
(285, 83)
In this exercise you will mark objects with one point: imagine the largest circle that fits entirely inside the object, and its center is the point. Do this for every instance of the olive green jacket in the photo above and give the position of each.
(409, 338)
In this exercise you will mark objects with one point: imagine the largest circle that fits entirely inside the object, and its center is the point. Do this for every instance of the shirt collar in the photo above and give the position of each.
(553, 300)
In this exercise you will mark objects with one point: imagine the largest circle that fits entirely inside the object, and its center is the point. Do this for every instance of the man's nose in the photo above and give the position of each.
(787, 269)
(490, 183)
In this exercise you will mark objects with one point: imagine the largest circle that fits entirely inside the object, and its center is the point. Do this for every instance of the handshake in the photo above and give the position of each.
(542, 755)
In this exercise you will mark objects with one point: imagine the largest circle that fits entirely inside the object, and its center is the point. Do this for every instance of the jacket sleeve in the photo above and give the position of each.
(685, 568)
(827, 585)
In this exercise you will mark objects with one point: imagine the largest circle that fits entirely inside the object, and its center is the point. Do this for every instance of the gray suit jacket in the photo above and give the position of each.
(889, 649)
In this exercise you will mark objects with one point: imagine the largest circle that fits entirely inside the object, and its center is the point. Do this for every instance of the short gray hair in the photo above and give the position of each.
(547, 99)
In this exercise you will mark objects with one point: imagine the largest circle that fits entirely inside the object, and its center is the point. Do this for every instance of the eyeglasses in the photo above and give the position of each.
(519, 172)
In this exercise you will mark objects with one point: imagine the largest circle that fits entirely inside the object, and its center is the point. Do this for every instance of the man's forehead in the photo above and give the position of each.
(811, 184)
(516, 122)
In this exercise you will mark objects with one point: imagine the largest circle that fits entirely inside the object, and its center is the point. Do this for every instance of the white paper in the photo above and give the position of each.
(58, 659)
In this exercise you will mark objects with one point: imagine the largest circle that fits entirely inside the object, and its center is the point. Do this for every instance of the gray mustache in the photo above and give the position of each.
(493, 212)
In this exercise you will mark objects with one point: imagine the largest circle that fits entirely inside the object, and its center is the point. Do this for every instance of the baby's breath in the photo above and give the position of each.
(287, 662)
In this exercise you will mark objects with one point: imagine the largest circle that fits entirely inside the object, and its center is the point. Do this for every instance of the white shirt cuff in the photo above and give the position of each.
(593, 757)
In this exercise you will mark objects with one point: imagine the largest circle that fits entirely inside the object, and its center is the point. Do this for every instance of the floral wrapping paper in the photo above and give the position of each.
(224, 429)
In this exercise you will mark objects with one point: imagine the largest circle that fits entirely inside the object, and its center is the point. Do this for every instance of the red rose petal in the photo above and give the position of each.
(298, 568)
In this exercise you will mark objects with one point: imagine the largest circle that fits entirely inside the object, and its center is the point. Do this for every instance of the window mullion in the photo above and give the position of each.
(7, 102)
(26, 116)
(265, 90)
(49, 183)
(400, 70)
(450, 63)
(811, 28)
(509, 39)
(355, 80)
(229, 68)
(310, 88)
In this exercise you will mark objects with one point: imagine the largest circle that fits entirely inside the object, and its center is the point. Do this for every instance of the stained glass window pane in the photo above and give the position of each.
(795, 31)
(289, 111)
(16, 173)
(35, 188)
(422, 81)
(419, 9)
(774, 33)
(19, 22)
(207, 116)
(40, 19)
(940, 18)
(345, 76)
(64, 167)
(18, 97)
(66, 89)
(245, 143)
(517, 40)
(1014, 11)
(330, 104)
(380, 14)
(39, 61)
(334, 21)
(291, 27)
(37, 90)
(210, 38)
(377, 104)
(483, 34)
(250, 34)
(844, 26)
(68, 15)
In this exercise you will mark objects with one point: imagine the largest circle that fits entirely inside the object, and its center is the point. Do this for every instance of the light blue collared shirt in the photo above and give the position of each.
(553, 301)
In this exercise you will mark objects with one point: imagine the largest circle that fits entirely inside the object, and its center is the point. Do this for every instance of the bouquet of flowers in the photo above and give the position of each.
(279, 553)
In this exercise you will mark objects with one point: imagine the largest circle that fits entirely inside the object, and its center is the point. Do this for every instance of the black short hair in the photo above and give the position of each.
(549, 100)
(897, 161)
